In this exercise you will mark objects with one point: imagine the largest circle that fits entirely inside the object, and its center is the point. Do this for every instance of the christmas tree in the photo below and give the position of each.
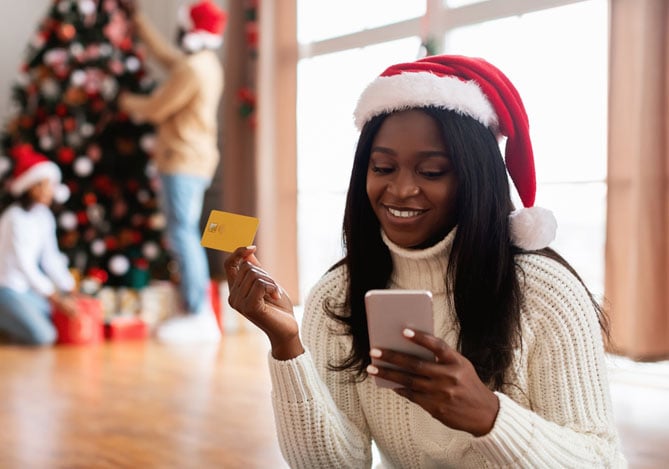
(81, 56)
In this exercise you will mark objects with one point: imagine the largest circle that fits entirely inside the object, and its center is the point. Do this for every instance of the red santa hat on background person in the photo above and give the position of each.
(472, 87)
(30, 168)
(204, 23)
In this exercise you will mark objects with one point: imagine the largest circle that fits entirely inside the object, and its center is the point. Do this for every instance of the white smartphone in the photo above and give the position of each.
(389, 312)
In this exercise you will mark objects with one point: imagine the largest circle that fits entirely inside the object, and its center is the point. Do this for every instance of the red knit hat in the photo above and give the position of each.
(30, 168)
(475, 88)
(204, 23)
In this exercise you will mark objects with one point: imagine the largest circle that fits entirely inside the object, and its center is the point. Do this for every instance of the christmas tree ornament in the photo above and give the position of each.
(66, 32)
(98, 247)
(119, 265)
(87, 7)
(83, 166)
(151, 250)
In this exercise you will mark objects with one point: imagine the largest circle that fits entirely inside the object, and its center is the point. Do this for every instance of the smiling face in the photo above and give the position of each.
(411, 182)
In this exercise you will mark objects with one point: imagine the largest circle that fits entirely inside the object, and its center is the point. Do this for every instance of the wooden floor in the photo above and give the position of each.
(138, 405)
(145, 405)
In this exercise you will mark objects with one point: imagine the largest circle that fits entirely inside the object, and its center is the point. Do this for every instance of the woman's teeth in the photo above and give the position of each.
(404, 213)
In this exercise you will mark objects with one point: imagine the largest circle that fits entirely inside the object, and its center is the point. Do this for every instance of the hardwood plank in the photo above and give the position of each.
(138, 404)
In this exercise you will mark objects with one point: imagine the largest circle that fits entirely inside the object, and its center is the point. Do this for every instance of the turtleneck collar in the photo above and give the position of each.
(420, 269)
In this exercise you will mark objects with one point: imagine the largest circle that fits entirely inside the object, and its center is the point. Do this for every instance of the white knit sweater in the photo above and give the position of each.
(556, 414)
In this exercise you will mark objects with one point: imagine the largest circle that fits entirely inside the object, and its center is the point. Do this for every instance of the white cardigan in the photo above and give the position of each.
(557, 414)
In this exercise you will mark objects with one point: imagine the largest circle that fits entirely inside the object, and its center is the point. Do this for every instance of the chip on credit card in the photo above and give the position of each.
(227, 231)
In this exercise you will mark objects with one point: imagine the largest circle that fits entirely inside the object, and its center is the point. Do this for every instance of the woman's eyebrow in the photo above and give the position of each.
(424, 153)
(385, 150)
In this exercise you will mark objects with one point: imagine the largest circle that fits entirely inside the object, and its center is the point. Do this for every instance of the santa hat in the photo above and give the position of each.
(475, 88)
(204, 23)
(30, 168)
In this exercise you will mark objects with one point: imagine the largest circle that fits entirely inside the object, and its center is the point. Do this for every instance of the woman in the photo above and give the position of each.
(519, 378)
(33, 273)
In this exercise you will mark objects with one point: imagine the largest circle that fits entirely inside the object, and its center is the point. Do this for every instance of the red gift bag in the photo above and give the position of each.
(86, 327)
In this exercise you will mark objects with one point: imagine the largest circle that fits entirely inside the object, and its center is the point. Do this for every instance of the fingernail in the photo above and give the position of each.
(408, 333)
(372, 370)
(376, 353)
(250, 248)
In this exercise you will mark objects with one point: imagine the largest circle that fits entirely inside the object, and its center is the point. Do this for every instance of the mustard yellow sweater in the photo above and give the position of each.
(184, 108)
(555, 413)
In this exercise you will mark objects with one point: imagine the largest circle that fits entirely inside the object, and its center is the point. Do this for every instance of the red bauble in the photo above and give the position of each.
(82, 218)
(111, 242)
(66, 32)
(98, 274)
(61, 110)
(66, 155)
(90, 199)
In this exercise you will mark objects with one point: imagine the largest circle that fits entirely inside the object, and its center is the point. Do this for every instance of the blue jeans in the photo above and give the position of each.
(26, 317)
(182, 198)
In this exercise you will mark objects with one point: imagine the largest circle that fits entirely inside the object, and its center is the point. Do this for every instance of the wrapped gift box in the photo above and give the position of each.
(85, 327)
(126, 328)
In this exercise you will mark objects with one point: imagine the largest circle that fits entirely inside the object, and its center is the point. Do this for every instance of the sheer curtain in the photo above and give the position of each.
(637, 250)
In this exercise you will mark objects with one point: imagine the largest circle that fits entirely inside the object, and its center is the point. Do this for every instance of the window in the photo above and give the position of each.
(556, 57)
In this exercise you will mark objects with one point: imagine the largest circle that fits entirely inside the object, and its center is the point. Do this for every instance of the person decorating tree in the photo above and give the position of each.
(184, 109)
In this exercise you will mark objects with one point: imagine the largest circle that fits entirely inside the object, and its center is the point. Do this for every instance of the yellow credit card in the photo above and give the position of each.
(227, 231)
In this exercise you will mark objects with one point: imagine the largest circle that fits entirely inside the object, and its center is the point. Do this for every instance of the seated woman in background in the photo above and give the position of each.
(519, 377)
(33, 272)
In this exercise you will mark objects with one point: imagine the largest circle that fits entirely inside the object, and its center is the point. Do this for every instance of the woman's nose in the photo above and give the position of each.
(404, 186)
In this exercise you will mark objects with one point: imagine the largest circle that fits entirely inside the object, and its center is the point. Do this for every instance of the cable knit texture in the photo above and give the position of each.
(556, 414)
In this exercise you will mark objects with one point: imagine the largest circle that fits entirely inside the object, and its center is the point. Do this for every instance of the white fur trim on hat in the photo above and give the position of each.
(36, 173)
(421, 89)
(532, 228)
(197, 40)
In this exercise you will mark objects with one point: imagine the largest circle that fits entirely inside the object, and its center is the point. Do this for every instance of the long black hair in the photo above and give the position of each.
(482, 269)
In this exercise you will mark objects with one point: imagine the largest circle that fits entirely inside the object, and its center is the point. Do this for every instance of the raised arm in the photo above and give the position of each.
(167, 54)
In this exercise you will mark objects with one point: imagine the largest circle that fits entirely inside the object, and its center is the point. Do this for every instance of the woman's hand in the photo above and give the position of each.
(448, 388)
(65, 303)
(263, 302)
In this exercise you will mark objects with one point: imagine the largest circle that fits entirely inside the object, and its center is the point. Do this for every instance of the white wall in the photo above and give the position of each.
(20, 19)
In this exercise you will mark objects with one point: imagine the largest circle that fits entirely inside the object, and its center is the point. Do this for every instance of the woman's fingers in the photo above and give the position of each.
(253, 289)
(235, 259)
(442, 352)
(412, 371)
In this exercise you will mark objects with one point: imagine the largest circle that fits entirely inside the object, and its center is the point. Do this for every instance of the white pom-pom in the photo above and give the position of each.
(61, 193)
(532, 228)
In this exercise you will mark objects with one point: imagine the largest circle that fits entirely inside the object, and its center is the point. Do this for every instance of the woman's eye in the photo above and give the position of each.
(382, 169)
(433, 174)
